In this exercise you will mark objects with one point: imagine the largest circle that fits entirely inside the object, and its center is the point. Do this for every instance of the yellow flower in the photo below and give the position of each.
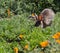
(33, 14)
(21, 36)
(8, 11)
(56, 36)
(26, 46)
(58, 41)
(16, 50)
(58, 33)
(44, 44)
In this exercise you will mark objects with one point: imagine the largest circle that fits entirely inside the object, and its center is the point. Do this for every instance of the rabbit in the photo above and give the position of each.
(45, 18)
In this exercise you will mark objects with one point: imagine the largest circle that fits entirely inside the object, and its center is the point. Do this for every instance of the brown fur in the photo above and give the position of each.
(45, 17)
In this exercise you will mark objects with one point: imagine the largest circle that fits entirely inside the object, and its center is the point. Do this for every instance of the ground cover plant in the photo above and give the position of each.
(19, 33)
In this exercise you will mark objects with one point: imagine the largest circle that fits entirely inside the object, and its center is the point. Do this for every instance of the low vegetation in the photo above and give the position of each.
(18, 34)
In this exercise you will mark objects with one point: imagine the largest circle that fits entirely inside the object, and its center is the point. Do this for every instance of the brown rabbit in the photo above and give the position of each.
(45, 18)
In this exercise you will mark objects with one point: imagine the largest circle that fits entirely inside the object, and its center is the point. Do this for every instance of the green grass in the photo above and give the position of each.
(11, 28)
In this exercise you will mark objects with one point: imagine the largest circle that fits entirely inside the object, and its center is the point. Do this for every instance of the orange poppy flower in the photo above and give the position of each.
(58, 33)
(44, 44)
(56, 36)
(26, 46)
(58, 41)
(8, 11)
(16, 50)
(21, 36)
